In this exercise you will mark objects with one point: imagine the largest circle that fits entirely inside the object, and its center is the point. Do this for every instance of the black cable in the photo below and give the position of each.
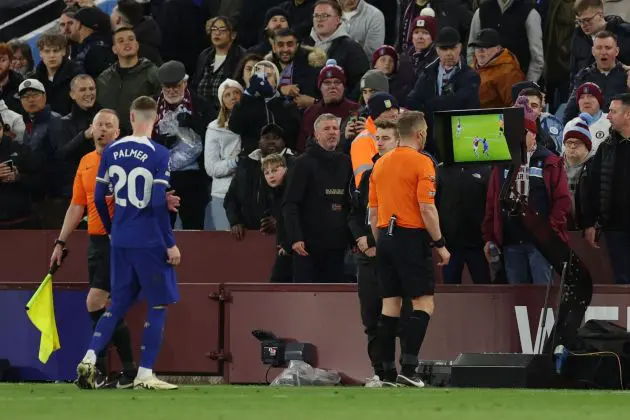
(266, 375)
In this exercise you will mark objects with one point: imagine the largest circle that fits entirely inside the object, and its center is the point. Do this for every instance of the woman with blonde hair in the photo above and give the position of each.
(221, 154)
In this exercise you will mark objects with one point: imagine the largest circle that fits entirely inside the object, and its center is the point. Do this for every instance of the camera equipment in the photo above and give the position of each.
(278, 352)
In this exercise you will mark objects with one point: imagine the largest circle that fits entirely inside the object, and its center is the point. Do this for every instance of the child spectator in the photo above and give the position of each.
(274, 167)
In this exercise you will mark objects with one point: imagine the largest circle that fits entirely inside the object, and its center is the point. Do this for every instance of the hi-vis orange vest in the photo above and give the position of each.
(362, 150)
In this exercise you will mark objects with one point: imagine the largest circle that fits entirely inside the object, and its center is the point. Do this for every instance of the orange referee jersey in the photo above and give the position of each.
(400, 181)
(83, 192)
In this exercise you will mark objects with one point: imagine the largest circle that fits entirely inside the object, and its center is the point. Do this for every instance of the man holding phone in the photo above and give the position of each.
(15, 202)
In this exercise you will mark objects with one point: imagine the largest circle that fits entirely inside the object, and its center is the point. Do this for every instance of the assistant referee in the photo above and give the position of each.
(105, 130)
(405, 223)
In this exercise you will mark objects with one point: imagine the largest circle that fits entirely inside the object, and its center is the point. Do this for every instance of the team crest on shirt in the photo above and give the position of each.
(600, 134)
(431, 194)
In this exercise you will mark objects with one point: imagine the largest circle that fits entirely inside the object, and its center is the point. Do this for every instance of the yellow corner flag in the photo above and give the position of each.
(41, 311)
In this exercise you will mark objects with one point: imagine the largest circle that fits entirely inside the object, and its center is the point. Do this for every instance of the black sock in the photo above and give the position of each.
(101, 358)
(122, 341)
(386, 341)
(416, 329)
(372, 349)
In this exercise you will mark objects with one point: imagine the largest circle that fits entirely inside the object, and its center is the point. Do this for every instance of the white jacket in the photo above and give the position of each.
(221, 157)
(13, 120)
(600, 130)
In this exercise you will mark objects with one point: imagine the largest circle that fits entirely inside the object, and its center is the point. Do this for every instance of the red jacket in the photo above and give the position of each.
(555, 179)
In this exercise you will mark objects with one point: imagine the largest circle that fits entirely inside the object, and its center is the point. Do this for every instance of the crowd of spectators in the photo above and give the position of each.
(270, 110)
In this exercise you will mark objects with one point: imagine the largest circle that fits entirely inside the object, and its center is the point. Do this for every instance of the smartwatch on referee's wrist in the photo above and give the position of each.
(60, 242)
(440, 243)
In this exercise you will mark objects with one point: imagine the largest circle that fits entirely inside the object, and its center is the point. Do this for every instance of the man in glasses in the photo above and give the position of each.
(590, 19)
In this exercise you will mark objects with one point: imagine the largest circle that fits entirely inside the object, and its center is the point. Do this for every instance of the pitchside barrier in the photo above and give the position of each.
(225, 295)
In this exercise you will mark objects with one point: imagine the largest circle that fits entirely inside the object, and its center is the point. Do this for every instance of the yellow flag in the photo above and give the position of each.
(41, 311)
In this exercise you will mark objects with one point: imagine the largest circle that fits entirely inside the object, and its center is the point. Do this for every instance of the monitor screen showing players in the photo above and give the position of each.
(479, 138)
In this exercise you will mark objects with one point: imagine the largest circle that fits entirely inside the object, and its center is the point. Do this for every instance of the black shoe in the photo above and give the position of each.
(413, 381)
(118, 381)
(125, 382)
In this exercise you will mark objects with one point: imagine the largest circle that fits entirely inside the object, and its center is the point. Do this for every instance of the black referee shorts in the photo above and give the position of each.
(98, 262)
(404, 263)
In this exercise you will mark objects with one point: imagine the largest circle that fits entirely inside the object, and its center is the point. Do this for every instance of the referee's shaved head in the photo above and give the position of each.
(105, 127)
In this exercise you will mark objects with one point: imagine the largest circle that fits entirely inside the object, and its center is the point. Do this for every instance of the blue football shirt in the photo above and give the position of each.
(137, 170)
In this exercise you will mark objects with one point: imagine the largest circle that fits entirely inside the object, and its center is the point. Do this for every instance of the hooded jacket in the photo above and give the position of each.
(221, 157)
(94, 55)
(497, 78)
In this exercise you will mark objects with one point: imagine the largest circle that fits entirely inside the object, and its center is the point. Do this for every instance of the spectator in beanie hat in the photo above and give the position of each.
(578, 150)
(373, 81)
(381, 106)
(543, 180)
(590, 100)
(398, 70)
(331, 83)
(276, 18)
(420, 50)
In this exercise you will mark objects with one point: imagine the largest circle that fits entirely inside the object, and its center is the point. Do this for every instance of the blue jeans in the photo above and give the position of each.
(476, 262)
(618, 245)
(524, 264)
(216, 219)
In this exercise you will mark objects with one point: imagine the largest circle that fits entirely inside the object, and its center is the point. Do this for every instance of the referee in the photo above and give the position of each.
(105, 127)
(405, 224)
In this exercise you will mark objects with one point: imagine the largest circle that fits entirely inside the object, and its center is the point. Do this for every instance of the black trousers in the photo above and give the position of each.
(371, 304)
(192, 188)
(320, 266)
(282, 271)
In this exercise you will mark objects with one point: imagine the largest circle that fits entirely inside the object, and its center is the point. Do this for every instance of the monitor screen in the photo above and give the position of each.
(479, 138)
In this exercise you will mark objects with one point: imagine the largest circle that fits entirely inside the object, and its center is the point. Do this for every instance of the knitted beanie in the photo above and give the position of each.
(578, 129)
(331, 71)
(590, 88)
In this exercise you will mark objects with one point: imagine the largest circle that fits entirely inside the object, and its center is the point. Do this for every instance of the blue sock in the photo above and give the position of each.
(105, 328)
(152, 337)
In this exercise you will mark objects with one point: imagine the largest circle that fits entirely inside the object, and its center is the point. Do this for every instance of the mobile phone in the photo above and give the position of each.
(9, 163)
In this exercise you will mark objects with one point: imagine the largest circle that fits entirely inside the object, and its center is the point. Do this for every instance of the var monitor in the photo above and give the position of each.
(480, 136)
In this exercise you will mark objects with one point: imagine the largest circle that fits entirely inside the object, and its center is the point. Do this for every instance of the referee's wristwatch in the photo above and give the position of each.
(60, 242)
(440, 243)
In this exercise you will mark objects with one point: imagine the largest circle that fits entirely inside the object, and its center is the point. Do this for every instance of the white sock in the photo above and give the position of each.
(90, 357)
(144, 373)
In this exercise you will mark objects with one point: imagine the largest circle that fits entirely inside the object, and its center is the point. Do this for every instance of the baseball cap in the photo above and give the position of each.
(272, 129)
(31, 84)
(381, 102)
(447, 37)
(486, 38)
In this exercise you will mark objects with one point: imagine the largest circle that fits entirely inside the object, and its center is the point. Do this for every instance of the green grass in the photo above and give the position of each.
(484, 126)
(28, 401)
